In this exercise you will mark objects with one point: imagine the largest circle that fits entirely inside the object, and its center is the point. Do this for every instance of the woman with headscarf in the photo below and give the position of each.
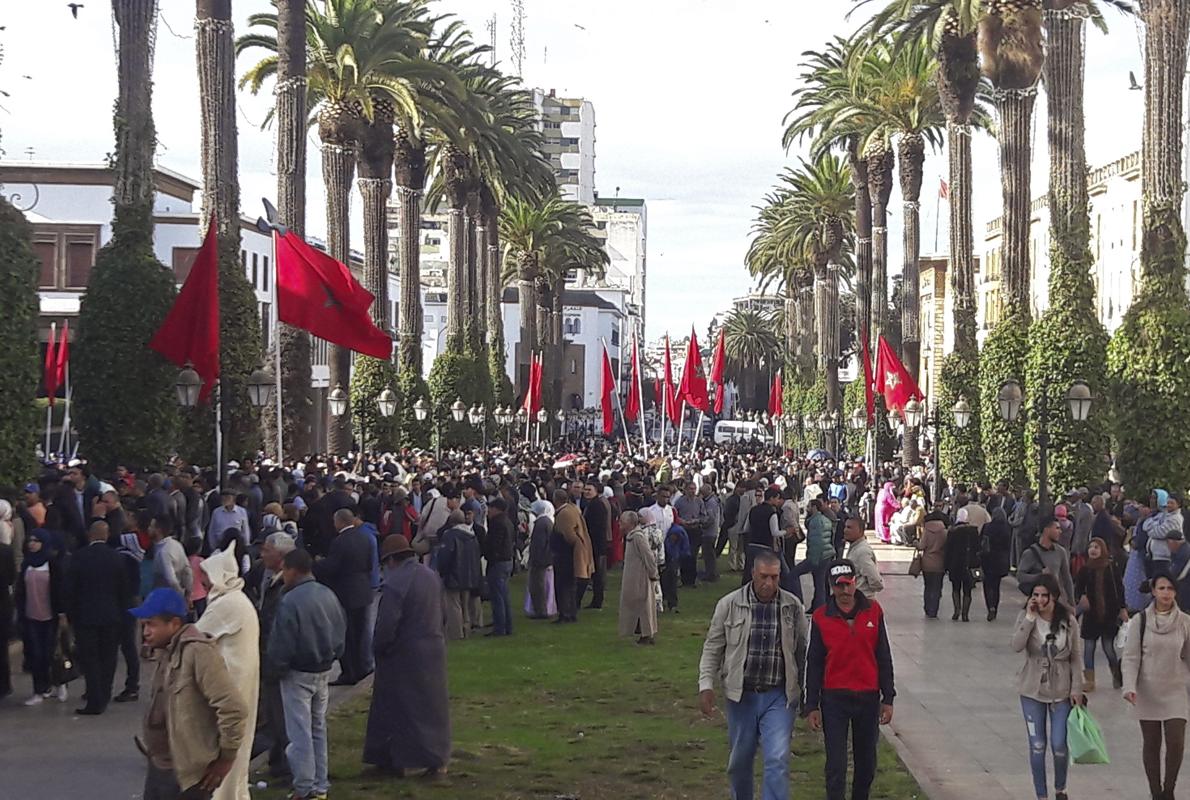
(1100, 593)
(638, 593)
(1134, 571)
(995, 550)
(887, 504)
(539, 589)
(39, 601)
(231, 620)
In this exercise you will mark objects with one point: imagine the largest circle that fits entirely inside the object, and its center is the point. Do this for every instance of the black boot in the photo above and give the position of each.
(1117, 680)
(966, 608)
(956, 597)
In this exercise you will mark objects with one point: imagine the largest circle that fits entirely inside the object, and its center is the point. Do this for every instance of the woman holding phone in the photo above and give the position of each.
(1049, 681)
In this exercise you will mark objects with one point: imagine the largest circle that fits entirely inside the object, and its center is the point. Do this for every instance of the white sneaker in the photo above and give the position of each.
(62, 693)
(35, 700)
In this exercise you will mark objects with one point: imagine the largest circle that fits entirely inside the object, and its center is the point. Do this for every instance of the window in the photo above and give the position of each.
(80, 257)
(48, 253)
(265, 277)
(1134, 226)
(573, 366)
(553, 125)
(569, 141)
(616, 337)
(266, 324)
(183, 260)
(572, 325)
(66, 257)
(255, 277)
(429, 317)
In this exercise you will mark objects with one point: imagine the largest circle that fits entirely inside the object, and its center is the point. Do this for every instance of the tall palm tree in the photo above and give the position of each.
(753, 350)
(1149, 356)
(239, 341)
(773, 257)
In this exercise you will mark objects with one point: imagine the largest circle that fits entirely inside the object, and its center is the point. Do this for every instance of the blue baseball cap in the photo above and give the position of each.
(161, 603)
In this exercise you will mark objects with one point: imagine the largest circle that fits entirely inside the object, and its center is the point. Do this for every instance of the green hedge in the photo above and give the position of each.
(1149, 366)
(794, 390)
(960, 449)
(1066, 344)
(1005, 353)
(19, 360)
(455, 376)
(853, 398)
(126, 409)
(370, 377)
(501, 384)
(411, 387)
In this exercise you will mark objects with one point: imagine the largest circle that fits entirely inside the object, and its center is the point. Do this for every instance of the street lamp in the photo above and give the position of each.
(857, 420)
(421, 410)
(912, 412)
(1011, 399)
(260, 388)
(387, 402)
(458, 410)
(188, 386)
(337, 400)
(962, 413)
(561, 417)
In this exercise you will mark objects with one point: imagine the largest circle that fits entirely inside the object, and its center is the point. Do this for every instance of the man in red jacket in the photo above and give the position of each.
(849, 680)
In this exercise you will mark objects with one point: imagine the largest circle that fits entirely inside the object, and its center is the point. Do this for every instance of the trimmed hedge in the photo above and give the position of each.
(369, 378)
(853, 398)
(19, 360)
(455, 376)
(1004, 355)
(411, 387)
(125, 409)
(960, 449)
(1149, 365)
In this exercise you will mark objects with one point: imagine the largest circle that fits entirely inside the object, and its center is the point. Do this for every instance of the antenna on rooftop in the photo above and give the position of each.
(491, 25)
(517, 40)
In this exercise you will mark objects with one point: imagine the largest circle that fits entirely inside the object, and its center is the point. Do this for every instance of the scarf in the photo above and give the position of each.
(41, 556)
(1099, 568)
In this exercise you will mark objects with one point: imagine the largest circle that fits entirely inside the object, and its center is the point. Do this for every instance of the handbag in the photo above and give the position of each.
(64, 667)
(1084, 738)
(915, 565)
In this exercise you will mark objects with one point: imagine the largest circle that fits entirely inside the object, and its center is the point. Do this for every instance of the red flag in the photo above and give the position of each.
(63, 355)
(51, 369)
(319, 294)
(532, 402)
(657, 393)
(632, 409)
(869, 382)
(607, 389)
(893, 380)
(943, 189)
(776, 396)
(718, 367)
(190, 332)
(694, 378)
(671, 397)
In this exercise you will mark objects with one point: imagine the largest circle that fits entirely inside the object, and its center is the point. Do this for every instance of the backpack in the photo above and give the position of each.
(1025, 584)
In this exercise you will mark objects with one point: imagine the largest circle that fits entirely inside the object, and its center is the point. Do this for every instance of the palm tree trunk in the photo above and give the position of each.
(296, 404)
(495, 290)
(476, 272)
(527, 300)
(410, 172)
(911, 156)
(829, 338)
(962, 239)
(338, 167)
(807, 310)
(557, 346)
(133, 188)
(239, 319)
(792, 333)
(1167, 25)
(456, 279)
(1015, 107)
(375, 187)
(863, 243)
(880, 160)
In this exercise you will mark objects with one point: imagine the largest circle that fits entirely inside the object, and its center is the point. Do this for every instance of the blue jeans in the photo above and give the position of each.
(1037, 715)
(764, 719)
(857, 714)
(818, 573)
(304, 696)
(498, 574)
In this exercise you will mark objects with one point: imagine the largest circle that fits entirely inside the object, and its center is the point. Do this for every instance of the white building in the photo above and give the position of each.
(568, 125)
(623, 222)
(760, 303)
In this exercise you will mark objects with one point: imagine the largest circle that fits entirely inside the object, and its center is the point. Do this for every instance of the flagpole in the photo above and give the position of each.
(697, 432)
(219, 433)
(644, 442)
(275, 321)
(937, 216)
(65, 412)
(49, 406)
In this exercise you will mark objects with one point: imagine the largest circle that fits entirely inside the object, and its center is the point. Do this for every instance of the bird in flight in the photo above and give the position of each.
(74, 9)
(580, 27)
(1132, 84)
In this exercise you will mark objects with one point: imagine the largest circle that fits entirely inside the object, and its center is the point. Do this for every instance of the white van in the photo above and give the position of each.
(730, 430)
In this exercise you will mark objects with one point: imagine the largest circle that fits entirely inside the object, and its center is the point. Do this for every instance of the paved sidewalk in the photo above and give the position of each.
(958, 722)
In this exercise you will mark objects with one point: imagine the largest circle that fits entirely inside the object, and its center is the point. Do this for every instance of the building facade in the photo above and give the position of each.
(623, 223)
(568, 127)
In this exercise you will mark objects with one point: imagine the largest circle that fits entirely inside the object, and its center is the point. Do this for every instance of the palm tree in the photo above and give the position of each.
(753, 348)
(240, 342)
(1149, 357)
(773, 257)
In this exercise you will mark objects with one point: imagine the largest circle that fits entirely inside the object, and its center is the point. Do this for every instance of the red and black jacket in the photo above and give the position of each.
(849, 653)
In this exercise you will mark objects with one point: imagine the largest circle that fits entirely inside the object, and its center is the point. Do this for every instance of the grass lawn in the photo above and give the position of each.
(572, 711)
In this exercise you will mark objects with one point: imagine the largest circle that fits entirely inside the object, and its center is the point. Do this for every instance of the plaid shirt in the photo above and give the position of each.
(764, 666)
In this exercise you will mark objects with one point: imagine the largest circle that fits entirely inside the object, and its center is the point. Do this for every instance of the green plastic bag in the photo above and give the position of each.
(1084, 738)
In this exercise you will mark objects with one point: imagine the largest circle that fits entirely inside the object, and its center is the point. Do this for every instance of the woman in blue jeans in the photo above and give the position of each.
(1049, 681)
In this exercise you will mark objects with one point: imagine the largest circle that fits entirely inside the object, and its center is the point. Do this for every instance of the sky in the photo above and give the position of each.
(689, 97)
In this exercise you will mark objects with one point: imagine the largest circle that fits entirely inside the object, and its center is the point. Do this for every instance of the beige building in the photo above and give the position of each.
(936, 309)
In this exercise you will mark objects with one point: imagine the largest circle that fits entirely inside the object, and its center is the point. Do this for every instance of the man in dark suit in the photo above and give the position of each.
(73, 503)
(97, 597)
(347, 570)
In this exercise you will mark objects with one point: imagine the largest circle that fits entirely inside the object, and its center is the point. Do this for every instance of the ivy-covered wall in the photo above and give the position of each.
(411, 387)
(369, 378)
(18, 347)
(853, 398)
(1004, 356)
(456, 376)
(961, 449)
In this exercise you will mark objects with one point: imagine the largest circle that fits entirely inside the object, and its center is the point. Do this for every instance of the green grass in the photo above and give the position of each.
(574, 711)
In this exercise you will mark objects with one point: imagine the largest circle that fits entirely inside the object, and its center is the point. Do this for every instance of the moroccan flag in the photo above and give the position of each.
(869, 382)
(607, 389)
(776, 396)
(671, 397)
(190, 332)
(718, 368)
(63, 355)
(632, 409)
(319, 294)
(893, 380)
(694, 378)
(943, 189)
(532, 402)
(50, 373)
(656, 393)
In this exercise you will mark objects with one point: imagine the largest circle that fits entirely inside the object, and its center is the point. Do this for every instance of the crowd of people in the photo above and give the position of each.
(265, 582)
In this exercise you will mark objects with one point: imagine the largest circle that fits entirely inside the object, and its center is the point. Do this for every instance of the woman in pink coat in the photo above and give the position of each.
(886, 505)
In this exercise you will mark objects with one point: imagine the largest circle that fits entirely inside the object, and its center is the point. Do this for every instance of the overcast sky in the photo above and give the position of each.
(689, 97)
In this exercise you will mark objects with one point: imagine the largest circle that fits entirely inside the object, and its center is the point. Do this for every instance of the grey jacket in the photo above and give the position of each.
(308, 631)
(726, 647)
(1062, 670)
(1036, 558)
(867, 579)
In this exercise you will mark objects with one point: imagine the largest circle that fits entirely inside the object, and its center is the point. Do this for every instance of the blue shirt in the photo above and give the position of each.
(369, 528)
